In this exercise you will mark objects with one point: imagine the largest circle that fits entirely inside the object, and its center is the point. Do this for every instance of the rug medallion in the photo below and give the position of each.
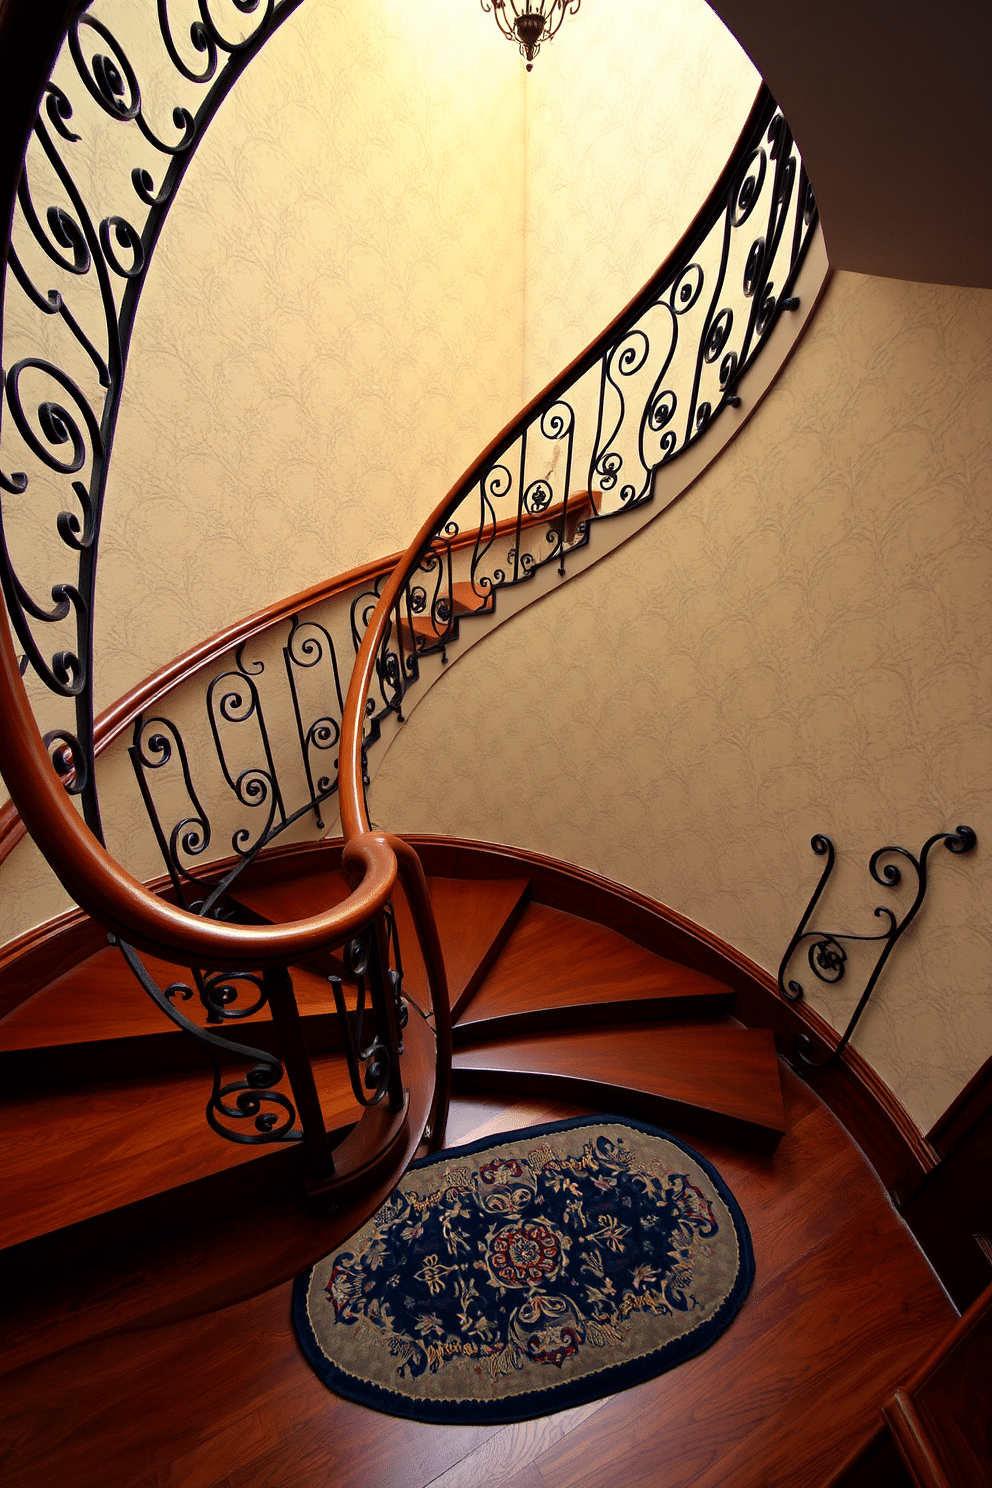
(528, 1273)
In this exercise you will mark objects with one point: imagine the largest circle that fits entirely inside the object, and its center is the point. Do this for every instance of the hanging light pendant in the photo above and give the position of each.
(530, 22)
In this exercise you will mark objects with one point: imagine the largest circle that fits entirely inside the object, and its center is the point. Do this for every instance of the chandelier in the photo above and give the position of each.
(529, 22)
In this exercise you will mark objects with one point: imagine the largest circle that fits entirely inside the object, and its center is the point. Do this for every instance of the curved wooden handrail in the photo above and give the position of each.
(351, 789)
(150, 693)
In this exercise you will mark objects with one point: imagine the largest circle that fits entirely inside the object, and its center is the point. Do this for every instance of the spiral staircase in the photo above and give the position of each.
(138, 1248)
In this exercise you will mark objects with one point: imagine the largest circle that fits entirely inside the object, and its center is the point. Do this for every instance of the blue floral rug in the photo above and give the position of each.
(527, 1273)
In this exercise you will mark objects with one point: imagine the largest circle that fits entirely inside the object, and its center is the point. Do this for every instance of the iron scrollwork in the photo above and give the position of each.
(80, 271)
(590, 447)
(825, 950)
(260, 1114)
(308, 649)
(373, 1055)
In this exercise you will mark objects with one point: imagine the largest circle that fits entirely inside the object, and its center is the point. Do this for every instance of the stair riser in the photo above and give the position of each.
(589, 1015)
(660, 1110)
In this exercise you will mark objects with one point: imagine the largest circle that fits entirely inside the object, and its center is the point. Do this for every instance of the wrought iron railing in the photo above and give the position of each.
(588, 447)
(825, 950)
(76, 266)
(586, 450)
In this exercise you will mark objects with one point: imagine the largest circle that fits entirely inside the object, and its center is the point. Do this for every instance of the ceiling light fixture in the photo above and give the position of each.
(530, 22)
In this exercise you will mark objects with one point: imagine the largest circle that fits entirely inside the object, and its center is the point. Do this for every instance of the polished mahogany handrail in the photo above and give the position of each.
(351, 765)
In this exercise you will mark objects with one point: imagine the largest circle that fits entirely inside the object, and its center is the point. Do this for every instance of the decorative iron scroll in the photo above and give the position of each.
(825, 953)
(244, 757)
(81, 268)
(267, 1114)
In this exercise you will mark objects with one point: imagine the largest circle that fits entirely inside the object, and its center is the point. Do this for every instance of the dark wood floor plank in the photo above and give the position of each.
(843, 1303)
(565, 967)
(709, 1076)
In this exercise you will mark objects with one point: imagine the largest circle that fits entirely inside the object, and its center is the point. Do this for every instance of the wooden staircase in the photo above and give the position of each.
(147, 1261)
(105, 1131)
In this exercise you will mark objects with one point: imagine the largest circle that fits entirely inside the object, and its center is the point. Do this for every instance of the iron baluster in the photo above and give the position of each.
(281, 999)
(304, 649)
(250, 1095)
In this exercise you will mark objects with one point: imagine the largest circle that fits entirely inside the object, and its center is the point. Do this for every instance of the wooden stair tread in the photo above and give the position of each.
(465, 601)
(473, 917)
(87, 1150)
(100, 999)
(474, 920)
(557, 964)
(709, 1076)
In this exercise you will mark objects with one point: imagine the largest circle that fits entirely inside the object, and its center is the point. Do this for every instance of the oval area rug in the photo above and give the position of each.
(529, 1272)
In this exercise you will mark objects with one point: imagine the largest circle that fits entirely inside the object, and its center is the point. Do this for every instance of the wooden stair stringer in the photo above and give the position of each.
(714, 1078)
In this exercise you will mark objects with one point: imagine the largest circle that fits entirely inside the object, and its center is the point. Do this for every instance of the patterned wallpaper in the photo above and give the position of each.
(629, 124)
(338, 317)
(333, 317)
(802, 643)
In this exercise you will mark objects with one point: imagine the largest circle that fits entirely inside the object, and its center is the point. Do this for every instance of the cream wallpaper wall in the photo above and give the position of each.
(630, 120)
(335, 311)
(800, 644)
(373, 239)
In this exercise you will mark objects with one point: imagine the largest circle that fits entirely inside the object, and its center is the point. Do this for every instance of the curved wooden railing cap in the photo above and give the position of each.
(351, 791)
(112, 896)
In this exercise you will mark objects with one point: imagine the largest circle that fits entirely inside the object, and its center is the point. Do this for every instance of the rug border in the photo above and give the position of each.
(568, 1394)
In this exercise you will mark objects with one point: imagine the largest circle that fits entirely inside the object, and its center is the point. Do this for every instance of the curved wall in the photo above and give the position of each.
(802, 643)
(389, 235)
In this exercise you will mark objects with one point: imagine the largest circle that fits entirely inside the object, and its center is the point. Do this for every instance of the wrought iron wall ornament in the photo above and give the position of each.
(825, 952)
(528, 23)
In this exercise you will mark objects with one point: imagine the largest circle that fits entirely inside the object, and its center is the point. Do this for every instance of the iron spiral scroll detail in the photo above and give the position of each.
(825, 951)
(77, 266)
(249, 1111)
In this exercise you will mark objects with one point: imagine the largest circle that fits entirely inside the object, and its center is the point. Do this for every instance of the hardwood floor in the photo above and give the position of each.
(843, 1307)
